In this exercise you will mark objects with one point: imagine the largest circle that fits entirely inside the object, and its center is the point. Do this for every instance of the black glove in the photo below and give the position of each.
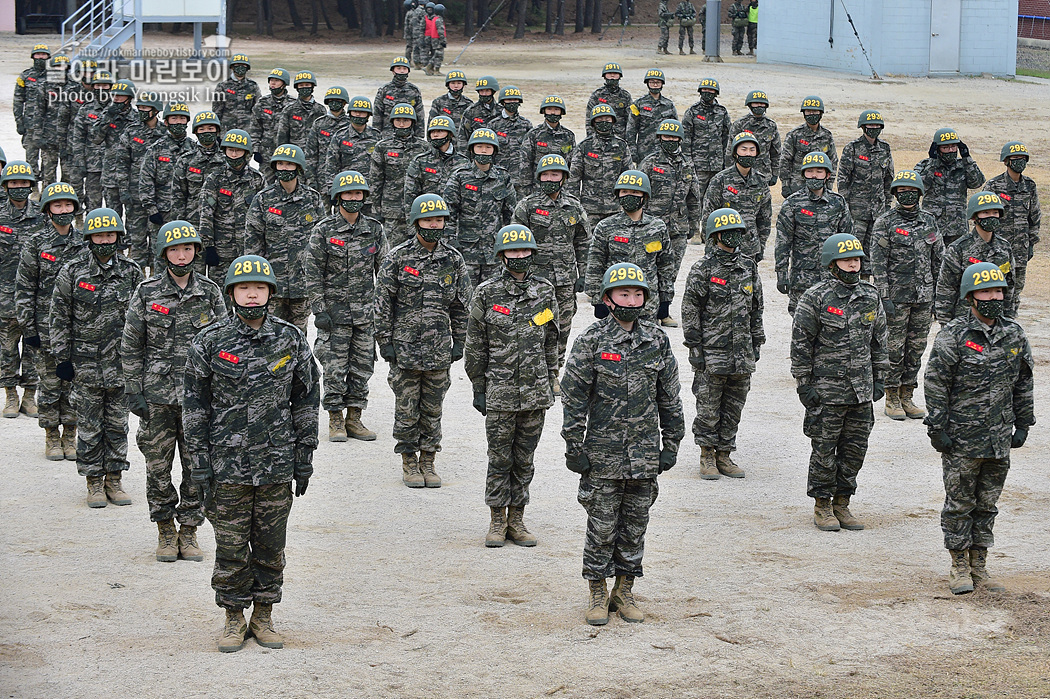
(137, 404)
(479, 402)
(668, 459)
(578, 286)
(600, 310)
(578, 464)
(457, 351)
(257, 157)
(664, 310)
(808, 395)
(756, 350)
(782, 287)
(878, 391)
(323, 321)
(32, 340)
(157, 219)
(201, 475)
(64, 371)
(964, 150)
(759, 255)
(211, 256)
(1020, 435)
(387, 353)
(773, 180)
(696, 358)
(1031, 250)
(301, 484)
(890, 306)
(934, 150)
(940, 441)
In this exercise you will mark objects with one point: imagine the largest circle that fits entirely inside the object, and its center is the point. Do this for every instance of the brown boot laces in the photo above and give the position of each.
(233, 625)
(626, 594)
(597, 595)
(263, 620)
(190, 537)
(97, 487)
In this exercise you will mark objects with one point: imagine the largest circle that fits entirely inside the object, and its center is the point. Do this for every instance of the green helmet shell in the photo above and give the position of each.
(483, 135)
(983, 201)
(289, 153)
(17, 170)
(400, 61)
(240, 59)
(360, 103)
(237, 138)
(59, 59)
(204, 118)
(633, 181)
(282, 75)
(670, 127)
(654, 74)
(486, 82)
(708, 84)
(123, 87)
(336, 93)
(870, 117)
(757, 97)
(746, 137)
(403, 110)
(3, 158)
(102, 220)
(176, 109)
(624, 274)
(723, 220)
(600, 110)
(812, 103)
(509, 92)
(426, 206)
(176, 233)
(455, 75)
(441, 123)
(348, 181)
(101, 77)
(1013, 149)
(612, 68)
(840, 246)
(552, 162)
(304, 76)
(514, 237)
(59, 191)
(981, 275)
(908, 178)
(816, 159)
(946, 137)
(250, 268)
(151, 100)
(553, 101)
(40, 48)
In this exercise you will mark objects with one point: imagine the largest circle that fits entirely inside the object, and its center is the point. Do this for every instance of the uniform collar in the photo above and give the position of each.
(267, 329)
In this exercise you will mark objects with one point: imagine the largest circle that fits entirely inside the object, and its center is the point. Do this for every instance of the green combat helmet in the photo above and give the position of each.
(336, 93)
(612, 68)
(17, 170)
(237, 138)
(812, 103)
(151, 100)
(756, 97)
(907, 178)
(240, 60)
(428, 206)
(816, 159)
(483, 135)
(486, 82)
(870, 117)
(123, 87)
(654, 74)
(553, 101)
(289, 153)
(509, 92)
(1013, 149)
(840, 246)
(981, 275)
(624, 274)
(551, 162)
(441, 123)
(633, 181)
(403, 110)
(59, 191)
(454, 75)
(946, 137)
(360, 103)
(176, 233)
(746, 137)
(514, 237)
(600, 110)
(708, 84)
(176, 109)
(400, 61)
(984, 201)
(728, 224)
(281, 74)
(250, 268)
(348, 181)
(670, 127)
(304, 76)
(103, 220)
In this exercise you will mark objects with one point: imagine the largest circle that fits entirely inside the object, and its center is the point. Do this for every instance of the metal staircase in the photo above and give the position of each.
(99, 28)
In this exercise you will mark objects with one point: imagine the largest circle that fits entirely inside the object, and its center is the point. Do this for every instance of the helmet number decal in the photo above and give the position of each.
(435, 204)
(983, 199)
(235, 138)
(987, 275)
(179, 232)
(627, 272)
(811, 104)
(290, 151)
(250, 266)
(516, 236)
(99, 222)
(949, 136)
(346, 180)
(728, 219)
(850, 245)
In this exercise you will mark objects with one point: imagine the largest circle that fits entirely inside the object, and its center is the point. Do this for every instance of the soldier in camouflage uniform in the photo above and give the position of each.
(300, 114)
(646, 114)
(224, 199)
(803, 140)
(429, 171)
(106, 133)
(422, 293)
(547, 138)
(56, 112)
(665, 20)
(839, 361)
(433, 38)
(804, 222)
(511, 129)
(389, 164)
(88, 306)
(947, 174)
(984, 243)
(481, 200)
(53, 243)
(743, 188)
(250, 418)
(157, 172)
(453, 103)
(979, 391)
(125, 159)
(1022, 216)
(479, 114)
(765, 130)
(165, 313)
(706, 138)
(905, 260)
(352, 146)
(737, 16)
(512, 363)
(235, 97)
(266, 116)
(722, 324)
(277, 226)
(864, 177)
(29, 87)
(622, 423)
(193, 166)
(615, 97)
(685, 13)
(412, 10)
(418, 29)
(345, 250)
(397, 91)
(596, 163)
(87, 157)
(323, 131)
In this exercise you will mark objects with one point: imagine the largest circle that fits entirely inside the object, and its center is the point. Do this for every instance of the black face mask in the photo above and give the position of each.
(815, 184)
(177, 131)
(430, 235)
(518, 264)
(237, 163)
(813, 119)
(400, 78)
(146, 115)
(992, 224)
(454, 94)
(732, 237)
(19, 193)
(949, 157)
(103, 250)
(440, 142)
(251, 312)
(1017, 164)
(655, 92)
(483, 159)
(872, 132)
(278, 92)
(352, 206)
(484, 99)
(989, 308)
(62, 219)
(707, 98)
(745, 161)
(336, 107)
(240, 70)
(612, 83)
(758, 109)
(287, 175)
(305, 93)
(552, 118)
(179, 270)
(359, 120)
(39, 64)
(550, 187)
(909, 198)
(207, 138)
(847, 278)
(631, 202)
(123, 106)
(627, 314)
(669, 147)
(403, 133)
(603, 127)
(511, 107)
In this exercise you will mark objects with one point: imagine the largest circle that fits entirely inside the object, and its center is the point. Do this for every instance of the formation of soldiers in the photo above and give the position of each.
(470, 235)
(743, 18)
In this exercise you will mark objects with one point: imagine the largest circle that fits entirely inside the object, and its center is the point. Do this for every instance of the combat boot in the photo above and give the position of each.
(28, 406)
(556, 388)
(726, 466)
(497, 535)
(189, 549)
(11, 406)
(410, 473)
(96, 487)
(426, 466)
(336, 428)
(708, 469)
(233, 632)
(908, 405)
(823, 517)
(681, 51)
(114, 491)
(69, 442)
(622, 600)
(261, 626)
(355, 428)
(959, 580)
(598, 606)
(692, 51)
(979, 574)
(516, 530)
(53, 444)
(669, 322)
(167, 546)
(893, 407)
(840, 508)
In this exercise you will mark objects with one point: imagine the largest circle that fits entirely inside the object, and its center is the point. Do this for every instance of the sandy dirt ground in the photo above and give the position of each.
(389, 591)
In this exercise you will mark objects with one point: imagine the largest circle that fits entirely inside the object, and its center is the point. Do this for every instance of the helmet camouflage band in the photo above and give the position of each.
(509, 92)
(552, 101)
(550, 163)
(360, 103)
(723, 220)
(59, 191)
(441, 123)
(908, 178)
(984, 201)
(483, 136)
(946, 137)
(304, 76)
(336, 93)
(102, 220)
(708, 84)
(17, 170)
(624, 274)
(602, 110)
(870, 117)
(204, 118)
(176, 233)
(455, 75)
(816, 159)
(348, 181)
(840, 246)
(427, 206)
(633, 181)
(514, 237)
(757, 97)
(670, 127)
(237, 138)
(250, 268)
(746, 137)
(1013, 149)
(812, 103)
(403, 110)
(981, 275)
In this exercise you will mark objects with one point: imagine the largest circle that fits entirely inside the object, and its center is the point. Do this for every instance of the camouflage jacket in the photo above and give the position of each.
(766, 131)
(476, 116)
(250, 402)
(619, 100)
(512, 342)
(562, 233)
(392, 94)
(967, 250)
(266, 116)
(296, 120)
(429, 171)
(838, 341)
(318, 140)
(676, 194)
(511, 134)
(224, 200)
(750, 197)
(665, 18)
(451, 107)
(620, 402)
(157, 173)
(86, 319)
(594, 167)
(946, 193)
(905, 252)
(16, 232)
(1022, 216)
(421, 304)
(43, 256)
(979, 385)
(191, 169)
(705, 136)
(411, 23)
(540, 141)
(865, 174)
(386, 175)
(277, 226)
(646, 243)
(419, 21)
(480, 203)
(804, 223)
(87, 156)
(73, 96)
(798, 143)
(342, 266)
(56, 113)
(233, 102)
(349, 150)
(124, 160)
(28, 86)
(106, 133)
(162, 320)
(644, 120)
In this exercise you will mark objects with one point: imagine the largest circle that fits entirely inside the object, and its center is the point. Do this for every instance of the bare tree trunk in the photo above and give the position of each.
(468, 18)
(260, 13)
(348, 9)
(314, 17)
(579, 17)
(512, 11)
(297, 21)
(368, 20)
(483, 11)
(588, 13)
(596, 21)
(519, 33)
(559, 26)
(324, 13)
(391, 16)
(549, 25)
(269, 17)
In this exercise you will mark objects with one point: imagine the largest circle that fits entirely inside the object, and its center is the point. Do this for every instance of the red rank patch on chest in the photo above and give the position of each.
(226, 192)
(160, 309)
(231, 358)
(195, 170)
(863, 157)
(393, 154)
(807, 212)
(136, 139)
(902, 231)
(112, 125)
(541, 143)
(446, 110)
(716, 280)
(659, 169)
(48, 256)
(603, 100)
(501, 133)
(86, 285)
(275, 210)
(92, 115)
(163, 158)
(1006, 197)
(348, 144)
(648, 109)
(325, 133)
(471, 187)
(732, 189)
(389, 97)
(231, 91)
(836, 311)
(297, 117)
(593, 155)
(501, 309)
(337, 241)
(431, 170)
(621, 239)
(6, 229)
(543, 212)
(412, 270)
(937, 174)
(611, 356)
(479, 120)
(803, 142)
(701, 117)
(974, 260)
(974, 346)
(267, 111)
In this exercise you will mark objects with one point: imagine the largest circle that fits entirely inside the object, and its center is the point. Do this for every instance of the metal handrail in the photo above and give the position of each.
(94, 19)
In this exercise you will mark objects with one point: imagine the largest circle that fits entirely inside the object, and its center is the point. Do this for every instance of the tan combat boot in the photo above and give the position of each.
(336, 427)
(669, 322)
(69, 442)
(959, 580)
(840, 508)
(979, 573)
(355, 428)
(598, 605)
(114, 491)
(622, 600)
(893, 407)
(726, 466)
(497, 535)
(28, 406)
(823, 516)
(908, 405)
(410, 473)
(167, 546)
(233, 632)
(708, 468)
(261, 626)
(189, 550)
(53, 444)
(556, 388)
(96, 487)
(11, 406)
(516, 530)
(426, 465)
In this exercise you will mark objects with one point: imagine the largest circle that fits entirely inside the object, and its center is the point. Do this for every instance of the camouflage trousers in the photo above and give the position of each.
(32, 150)
(49, 164)
(13, 360)
(347, 354)
(617, 517)
(408, 48)
(418, 397)
(594, 218)
(53, 401)
(862, 229)
(417, 56)
(738, 38)
(839, 435)
(102, 429)
(251, 526)
(397, 230)
(719, 403)
(433, 52)
(678, 232)
(971, 489)
(157, 437)
(703, 181)
(682, 31)
(112, 197)
(91, 190)
(513, 438)
(140, 244)
(295, 311)
(566, 299)
(1020, 270)
(665, 37)
(793, 296)
(752, 35)
(907, 331)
